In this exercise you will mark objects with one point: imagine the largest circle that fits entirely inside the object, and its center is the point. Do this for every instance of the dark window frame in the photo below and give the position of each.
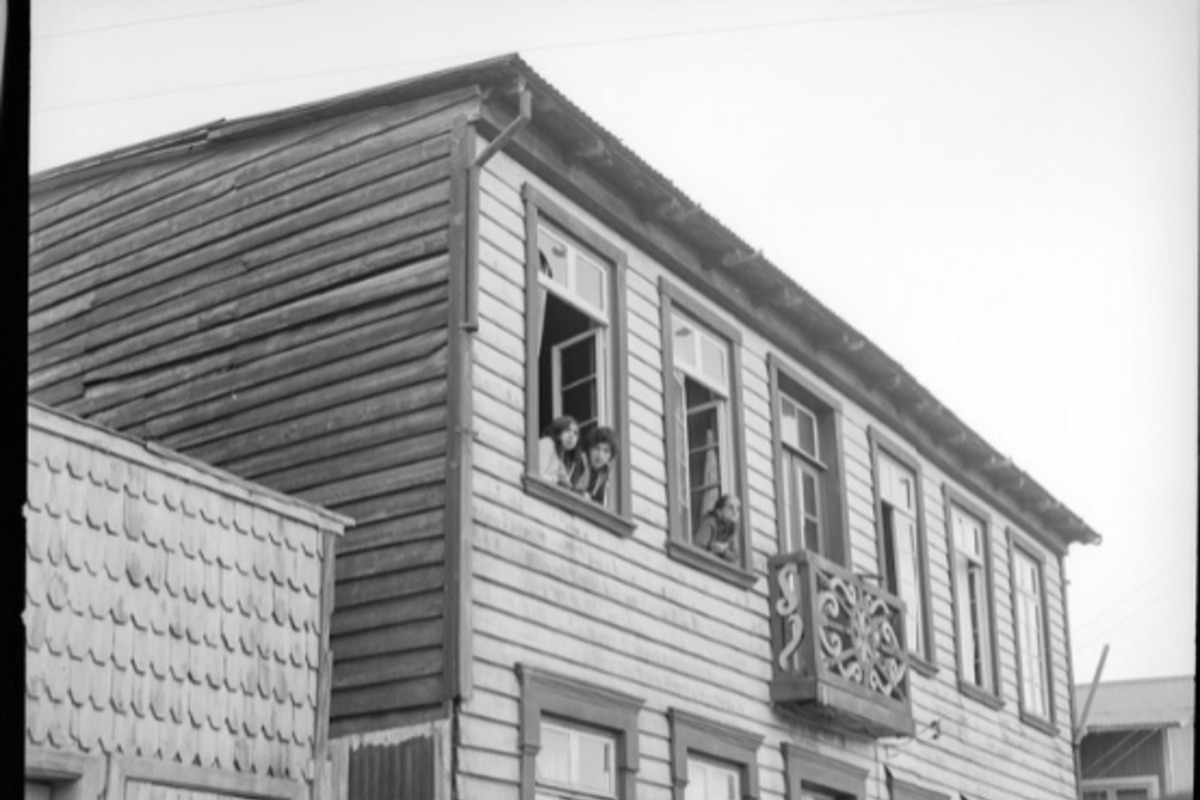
(691, 734)
(619, 519)
(828, 410)
(679, 544)
(924, 662)
(900, 789)
(805, 769)
(1017, 542)
(953, 497)
(562, 698)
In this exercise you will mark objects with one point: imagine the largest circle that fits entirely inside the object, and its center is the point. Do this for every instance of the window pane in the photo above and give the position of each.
(713, 361)
(578, 361)
(595, 764)
(709, 781)
(553, 761)
(684, 343)
(1133, 794)
(788, 423)
(1095, 795)
(799, 428)
(810, 494)
(554, 253)
(589, 278)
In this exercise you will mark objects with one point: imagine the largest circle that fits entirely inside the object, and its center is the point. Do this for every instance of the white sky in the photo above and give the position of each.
(1002, 195)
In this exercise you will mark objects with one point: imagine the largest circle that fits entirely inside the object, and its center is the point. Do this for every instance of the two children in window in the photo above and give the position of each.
(583, 468)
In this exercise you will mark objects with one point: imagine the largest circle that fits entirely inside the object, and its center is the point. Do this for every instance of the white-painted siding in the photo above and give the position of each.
(560, 594)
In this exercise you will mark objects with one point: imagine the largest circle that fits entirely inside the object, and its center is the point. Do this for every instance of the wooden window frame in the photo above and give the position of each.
(1017, 543)
(1111, 785)
(900, 789)
(679, 544)
(805, 769)
(953, 497)
(619, 519)
(691, 734)
(829, 431)
(75, 776)
(924, 662)
(571, 700)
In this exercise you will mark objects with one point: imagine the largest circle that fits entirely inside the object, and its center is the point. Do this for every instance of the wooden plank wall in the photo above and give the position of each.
(277, 306)
(561, 594)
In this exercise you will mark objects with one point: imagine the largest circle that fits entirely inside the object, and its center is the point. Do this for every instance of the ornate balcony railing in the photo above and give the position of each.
(837, 644)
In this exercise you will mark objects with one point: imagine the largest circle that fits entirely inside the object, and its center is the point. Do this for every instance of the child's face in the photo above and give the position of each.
(569, 437)
(731, 510)
(600, 454)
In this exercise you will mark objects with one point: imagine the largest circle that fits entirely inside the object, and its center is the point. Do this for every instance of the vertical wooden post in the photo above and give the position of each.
(325, 668)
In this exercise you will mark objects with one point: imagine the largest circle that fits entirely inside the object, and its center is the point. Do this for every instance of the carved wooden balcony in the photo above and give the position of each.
(837, 644)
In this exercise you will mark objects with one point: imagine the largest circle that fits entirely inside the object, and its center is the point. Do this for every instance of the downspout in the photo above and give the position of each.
(471, 309)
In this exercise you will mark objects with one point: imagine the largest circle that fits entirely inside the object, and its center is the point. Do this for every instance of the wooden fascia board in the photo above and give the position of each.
(543, 158)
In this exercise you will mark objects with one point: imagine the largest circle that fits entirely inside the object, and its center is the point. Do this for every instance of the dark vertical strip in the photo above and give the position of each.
(463, 203)
(14, 188)
(532, 389)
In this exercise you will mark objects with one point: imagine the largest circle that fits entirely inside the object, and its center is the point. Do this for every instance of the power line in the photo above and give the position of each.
(1092, 639)
(545, 47)
(1099, 615)
(159, 20)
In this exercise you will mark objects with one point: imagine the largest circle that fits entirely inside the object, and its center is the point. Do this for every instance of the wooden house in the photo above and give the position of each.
(379, 303)
(175, 620)
(1138, 739)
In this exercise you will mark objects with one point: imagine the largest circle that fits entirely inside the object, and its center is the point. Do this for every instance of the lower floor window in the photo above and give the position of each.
(709, 780)
(575, 763)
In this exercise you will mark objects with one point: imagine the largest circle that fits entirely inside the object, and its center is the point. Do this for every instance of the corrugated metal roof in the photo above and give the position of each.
(1140, 703)
(625, 170)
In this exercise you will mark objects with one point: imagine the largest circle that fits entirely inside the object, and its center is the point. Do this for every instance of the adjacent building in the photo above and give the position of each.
(1139, 739)
(175, 624)
(380, 303)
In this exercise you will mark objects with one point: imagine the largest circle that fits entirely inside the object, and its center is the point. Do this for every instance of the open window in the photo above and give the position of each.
(971, 585)
(1031, 625)
(900, 535)
(576, 349)
(705, 446)
(810, 502)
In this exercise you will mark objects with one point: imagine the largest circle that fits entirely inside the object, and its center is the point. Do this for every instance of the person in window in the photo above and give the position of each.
(718, 529)
(560, 458)
(601, 452)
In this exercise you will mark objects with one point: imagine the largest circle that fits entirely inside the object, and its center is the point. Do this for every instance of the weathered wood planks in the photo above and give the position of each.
(278, 305)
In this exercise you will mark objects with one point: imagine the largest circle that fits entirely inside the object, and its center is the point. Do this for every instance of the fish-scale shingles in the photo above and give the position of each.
(165, 620)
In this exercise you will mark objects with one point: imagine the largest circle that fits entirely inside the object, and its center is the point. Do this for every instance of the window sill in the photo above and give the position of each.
(921, 665)
(706, 562)
(579, 506)
(1038, 723)
(980, 695)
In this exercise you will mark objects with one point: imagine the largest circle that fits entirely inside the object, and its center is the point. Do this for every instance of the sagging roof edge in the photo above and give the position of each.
(148, 454)
(500, 73)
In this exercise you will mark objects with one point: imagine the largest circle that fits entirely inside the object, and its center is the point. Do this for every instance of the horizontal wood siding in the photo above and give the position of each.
(278, 306)
(558, 593)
